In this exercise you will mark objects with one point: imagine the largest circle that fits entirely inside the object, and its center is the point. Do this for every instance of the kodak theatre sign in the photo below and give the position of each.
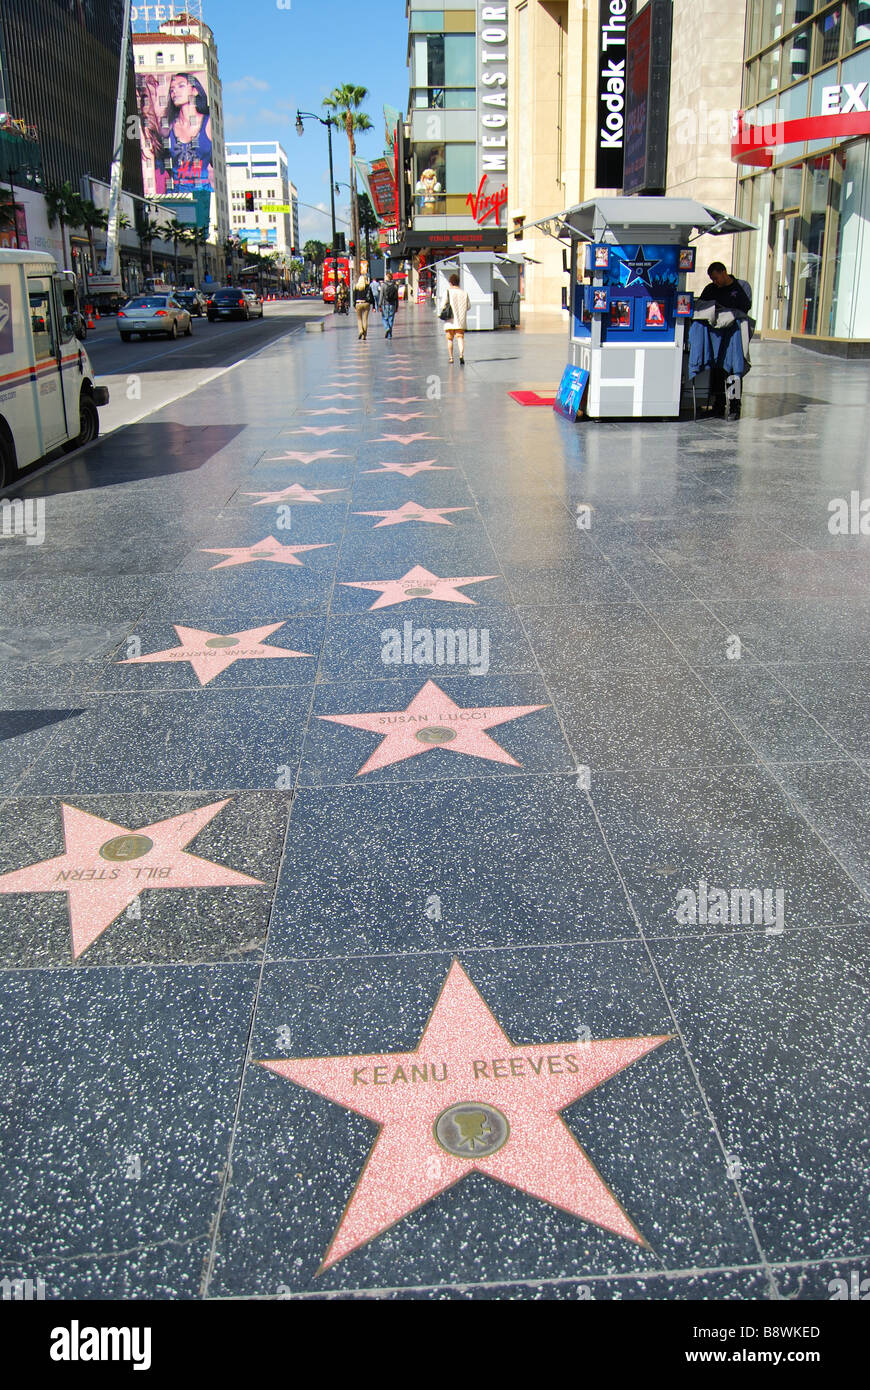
(610, 139)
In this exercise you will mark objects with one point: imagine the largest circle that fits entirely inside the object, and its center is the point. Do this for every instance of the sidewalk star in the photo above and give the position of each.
(267, 549)
(318, 429)
(294, 493)
(432, 720)
(467, 1100)
(413, 511)
(409, 470)
(417, 583)
(289, 456)
(210, 653)
(412, 415)
(404, 438)
(105, 867)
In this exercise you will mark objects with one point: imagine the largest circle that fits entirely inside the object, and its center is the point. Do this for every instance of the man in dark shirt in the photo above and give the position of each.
(727, 293)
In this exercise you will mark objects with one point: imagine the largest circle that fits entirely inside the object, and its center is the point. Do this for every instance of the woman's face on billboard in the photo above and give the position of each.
(181, 90)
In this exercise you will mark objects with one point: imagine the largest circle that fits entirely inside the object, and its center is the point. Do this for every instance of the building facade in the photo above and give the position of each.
(180, 105)
(258, 173)
(59, 75)
(457, 126)
(802, 147)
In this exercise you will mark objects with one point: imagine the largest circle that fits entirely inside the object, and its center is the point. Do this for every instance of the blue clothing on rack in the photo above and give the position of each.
(716, 347)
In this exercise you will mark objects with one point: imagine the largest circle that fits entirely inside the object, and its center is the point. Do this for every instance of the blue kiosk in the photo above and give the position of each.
(629, 305)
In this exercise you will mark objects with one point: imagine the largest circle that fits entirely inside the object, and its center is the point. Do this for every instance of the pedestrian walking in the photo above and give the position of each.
(376, 294)
(389, 302)
(363, 299)
(454, 312)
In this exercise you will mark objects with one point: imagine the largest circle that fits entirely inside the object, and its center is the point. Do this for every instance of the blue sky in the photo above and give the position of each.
(274, 59)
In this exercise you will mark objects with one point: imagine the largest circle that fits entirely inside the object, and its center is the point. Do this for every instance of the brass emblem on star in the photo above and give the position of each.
(434, 734)
(471, 1129)
(125, 847)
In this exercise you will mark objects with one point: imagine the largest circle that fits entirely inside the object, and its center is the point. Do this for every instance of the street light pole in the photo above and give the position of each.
(302, 116)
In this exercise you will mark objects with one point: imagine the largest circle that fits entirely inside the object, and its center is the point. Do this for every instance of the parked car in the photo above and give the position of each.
(153, 313)
(255, 302)
(230, 303)
(192, 300)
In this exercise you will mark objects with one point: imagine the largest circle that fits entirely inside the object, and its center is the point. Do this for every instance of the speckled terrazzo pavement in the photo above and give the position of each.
(408, 890)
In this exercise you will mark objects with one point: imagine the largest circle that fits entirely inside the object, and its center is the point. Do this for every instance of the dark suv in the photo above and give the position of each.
(193, 301)
(228, 304)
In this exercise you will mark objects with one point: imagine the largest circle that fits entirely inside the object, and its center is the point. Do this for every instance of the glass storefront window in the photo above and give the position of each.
(796, 57)
(750, 85)
(461, 168)
(430, 177)
(768, 74)
(850, 304)
(787, 187)
(862, 21)
(422, 20)
(445, 98)
(813, 247)
(828, 28)
(459, 60)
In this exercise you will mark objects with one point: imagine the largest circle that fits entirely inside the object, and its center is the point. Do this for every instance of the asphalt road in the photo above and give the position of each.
(148, 373)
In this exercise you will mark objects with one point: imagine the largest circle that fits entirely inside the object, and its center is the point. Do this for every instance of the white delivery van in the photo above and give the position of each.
(48, 397)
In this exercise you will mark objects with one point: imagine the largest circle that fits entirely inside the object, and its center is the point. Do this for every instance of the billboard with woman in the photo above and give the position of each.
(176, 132)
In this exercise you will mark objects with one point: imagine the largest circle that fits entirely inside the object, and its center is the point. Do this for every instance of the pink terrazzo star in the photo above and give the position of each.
(400, 400)
(209, 653)
(412, 415)
(432, 720)
(409, 470)
(318, 429)
(417, 583)
(400, 376)
(289, 456)
(295, 493)
(404, 438)
(413, 511)
(467, 1100)
(341, 396)
(267, 549)
(334, 410)
(106, 866)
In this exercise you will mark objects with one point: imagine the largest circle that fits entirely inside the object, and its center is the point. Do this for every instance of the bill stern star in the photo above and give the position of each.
(417, 583)
(413, 511)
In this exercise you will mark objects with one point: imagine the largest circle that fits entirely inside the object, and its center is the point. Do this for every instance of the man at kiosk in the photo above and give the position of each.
(729, 360)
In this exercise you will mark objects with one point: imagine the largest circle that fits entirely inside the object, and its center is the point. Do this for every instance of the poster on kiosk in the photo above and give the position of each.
(629, 300)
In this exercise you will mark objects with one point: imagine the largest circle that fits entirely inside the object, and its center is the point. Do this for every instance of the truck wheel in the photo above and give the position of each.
(7, 462)
(89, 425)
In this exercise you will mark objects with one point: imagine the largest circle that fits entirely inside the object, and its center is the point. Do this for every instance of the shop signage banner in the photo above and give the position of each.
(383, 191)
(610, 140)
(492, 50)
(648, 65)
(171, 105)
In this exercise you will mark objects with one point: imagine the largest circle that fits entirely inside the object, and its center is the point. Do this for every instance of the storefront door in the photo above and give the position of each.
(782, 275)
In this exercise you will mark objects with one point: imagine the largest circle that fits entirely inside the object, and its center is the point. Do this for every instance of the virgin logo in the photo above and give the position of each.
(484, 205)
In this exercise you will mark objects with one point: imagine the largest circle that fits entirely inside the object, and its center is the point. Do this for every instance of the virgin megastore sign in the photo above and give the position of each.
(492, 87)
(610, 139)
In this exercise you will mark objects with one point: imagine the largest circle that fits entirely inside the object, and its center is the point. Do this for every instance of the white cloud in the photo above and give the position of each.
(247, 84)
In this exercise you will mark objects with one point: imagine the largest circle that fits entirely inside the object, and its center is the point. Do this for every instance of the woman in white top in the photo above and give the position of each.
(454, 327)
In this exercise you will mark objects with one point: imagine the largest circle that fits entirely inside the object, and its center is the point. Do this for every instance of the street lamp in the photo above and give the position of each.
(302, 116)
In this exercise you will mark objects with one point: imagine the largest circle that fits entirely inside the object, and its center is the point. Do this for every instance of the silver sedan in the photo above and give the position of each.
(153, 313)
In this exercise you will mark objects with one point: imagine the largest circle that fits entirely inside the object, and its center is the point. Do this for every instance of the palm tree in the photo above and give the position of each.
(149, 230)
(91, 218)
(178, 232)
(63, 205)
(343, 105)
(197, 237)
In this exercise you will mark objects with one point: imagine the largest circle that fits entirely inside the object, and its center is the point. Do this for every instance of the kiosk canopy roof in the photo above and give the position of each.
(621, 213)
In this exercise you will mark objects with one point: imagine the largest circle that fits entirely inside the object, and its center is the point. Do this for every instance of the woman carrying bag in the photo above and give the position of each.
(363, 300)
(454, 312)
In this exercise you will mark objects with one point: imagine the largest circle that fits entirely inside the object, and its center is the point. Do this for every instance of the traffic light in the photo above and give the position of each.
(339, 243)
(293, 251)
(249, 202)
(351, 250)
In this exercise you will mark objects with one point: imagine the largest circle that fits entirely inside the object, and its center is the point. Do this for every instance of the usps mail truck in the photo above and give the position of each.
(48, 396)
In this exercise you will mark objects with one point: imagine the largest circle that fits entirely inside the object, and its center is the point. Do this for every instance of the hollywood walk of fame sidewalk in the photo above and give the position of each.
(371, 791)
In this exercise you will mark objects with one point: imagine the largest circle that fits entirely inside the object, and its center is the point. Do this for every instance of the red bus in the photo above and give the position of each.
(329, 264)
